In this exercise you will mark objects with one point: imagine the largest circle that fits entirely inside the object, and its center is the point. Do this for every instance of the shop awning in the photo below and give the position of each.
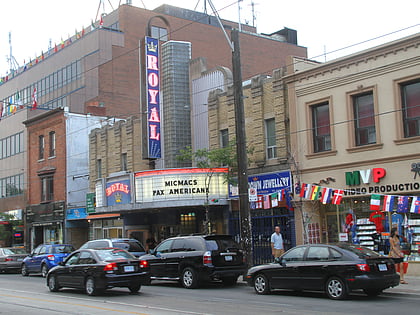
(103, 216)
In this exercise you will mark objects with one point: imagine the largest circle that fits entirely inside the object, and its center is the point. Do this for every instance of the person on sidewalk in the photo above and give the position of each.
(277, 248)
(396, 253)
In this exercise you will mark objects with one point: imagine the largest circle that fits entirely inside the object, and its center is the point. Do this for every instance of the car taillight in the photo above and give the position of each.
(50, 257)
(207, 258)
(363, 267)
(111, 267)
(144, 264)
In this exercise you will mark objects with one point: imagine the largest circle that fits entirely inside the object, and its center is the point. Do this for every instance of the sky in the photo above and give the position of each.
(325, 27)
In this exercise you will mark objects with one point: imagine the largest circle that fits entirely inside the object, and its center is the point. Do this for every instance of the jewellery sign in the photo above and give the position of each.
(118, 192)
(153, 97)
(181, 184)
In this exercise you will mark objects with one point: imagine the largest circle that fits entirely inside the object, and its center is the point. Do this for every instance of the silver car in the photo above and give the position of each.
(11, 258)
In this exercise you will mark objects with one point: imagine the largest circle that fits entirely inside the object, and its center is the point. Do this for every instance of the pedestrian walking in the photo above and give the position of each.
(396, 252)
(277, 248)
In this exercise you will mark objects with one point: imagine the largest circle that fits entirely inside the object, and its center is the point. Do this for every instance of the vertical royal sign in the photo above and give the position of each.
(153, 97)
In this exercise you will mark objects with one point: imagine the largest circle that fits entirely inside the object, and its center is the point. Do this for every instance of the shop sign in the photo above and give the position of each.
(118, 192)
(181, 184)
(90, 202)
(76, 214)
(266, 184)
(153, 97)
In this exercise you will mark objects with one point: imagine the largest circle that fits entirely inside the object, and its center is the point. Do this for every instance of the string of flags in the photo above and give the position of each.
(378, 202)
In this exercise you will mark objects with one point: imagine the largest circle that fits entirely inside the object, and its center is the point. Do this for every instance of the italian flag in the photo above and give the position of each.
(375, 202)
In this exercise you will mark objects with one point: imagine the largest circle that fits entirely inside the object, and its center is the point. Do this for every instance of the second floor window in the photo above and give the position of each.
(52, 143)
(41, 147)
(47, 188)
(270, 133)
(410, 97)
(364, 119)
(321, 131)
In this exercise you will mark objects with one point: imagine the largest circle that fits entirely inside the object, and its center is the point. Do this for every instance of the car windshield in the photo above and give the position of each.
(14, 251)
(63, 249)
(113, 254)
(361, 251)
(130, 246)
(221, 244)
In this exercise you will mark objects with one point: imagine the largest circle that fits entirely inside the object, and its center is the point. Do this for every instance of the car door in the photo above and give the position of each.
(286, 274)
(157, 261)
(316, 267)
(66, 273)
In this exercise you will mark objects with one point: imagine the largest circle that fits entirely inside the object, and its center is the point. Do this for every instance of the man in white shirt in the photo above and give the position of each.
(277, 248)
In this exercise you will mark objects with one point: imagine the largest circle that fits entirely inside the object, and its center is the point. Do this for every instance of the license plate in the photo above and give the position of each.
(228, 258)
(382, 267)
(128, 268)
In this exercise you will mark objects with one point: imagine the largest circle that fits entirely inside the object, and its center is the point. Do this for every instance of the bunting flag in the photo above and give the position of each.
(34, 99)
(402, 204)
(326, 195)
(375, 202)
(388, 203)
(274, 200)
(337, 197)
(315, 192)
(415, 205)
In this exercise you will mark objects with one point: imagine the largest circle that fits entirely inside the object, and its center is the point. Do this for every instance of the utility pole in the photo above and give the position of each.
(245, 216)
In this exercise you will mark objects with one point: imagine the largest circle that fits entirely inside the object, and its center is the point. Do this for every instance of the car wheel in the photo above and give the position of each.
(336, 289)
(44, 270)
(134, 288)
(90, 287)
(372, 292)
(52, 283)
(24, 270)
(261, 284)
(229, 281)
(189, 278)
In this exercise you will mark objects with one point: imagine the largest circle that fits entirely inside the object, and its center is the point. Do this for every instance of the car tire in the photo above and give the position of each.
(336, 288)
(90, 287)
(229, 281)
(261, 284)
(24, 270)
(372, 292)
(53, 284)
(44, 270)
(189, 278)
(134, 288)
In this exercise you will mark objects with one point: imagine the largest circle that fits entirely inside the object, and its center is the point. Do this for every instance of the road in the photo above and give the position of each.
(30, 295)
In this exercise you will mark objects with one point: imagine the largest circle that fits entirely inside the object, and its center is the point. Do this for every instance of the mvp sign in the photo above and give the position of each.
(365, 176)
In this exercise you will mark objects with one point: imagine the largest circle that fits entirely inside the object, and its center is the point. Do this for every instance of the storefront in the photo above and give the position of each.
(362, 206)
(163, 203)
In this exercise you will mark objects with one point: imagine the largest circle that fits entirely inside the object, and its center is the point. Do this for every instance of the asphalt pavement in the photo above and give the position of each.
(30, 296)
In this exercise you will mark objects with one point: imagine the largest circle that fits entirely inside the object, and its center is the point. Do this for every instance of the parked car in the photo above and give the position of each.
(131, 245)
(11, 258)
(192, 259)
(96, 270)
(336, 269)
(44, 257)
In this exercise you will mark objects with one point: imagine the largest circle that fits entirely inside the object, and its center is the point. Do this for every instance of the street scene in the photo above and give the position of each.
(206, 157)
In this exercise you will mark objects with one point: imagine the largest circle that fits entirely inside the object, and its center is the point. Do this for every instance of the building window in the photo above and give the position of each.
(364, 119)
(41, 147)
(224, 138)
(410, 96)
(124, 162)
(99, 168)
(47, 188)
(52, 143)
(159, 33)
(321, 127)
(270, 134)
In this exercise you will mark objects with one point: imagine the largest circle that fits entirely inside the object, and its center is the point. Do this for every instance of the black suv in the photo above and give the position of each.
(192, 259)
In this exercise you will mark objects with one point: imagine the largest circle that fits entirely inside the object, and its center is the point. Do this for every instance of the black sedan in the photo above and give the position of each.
(95, 270)
(335, 269)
